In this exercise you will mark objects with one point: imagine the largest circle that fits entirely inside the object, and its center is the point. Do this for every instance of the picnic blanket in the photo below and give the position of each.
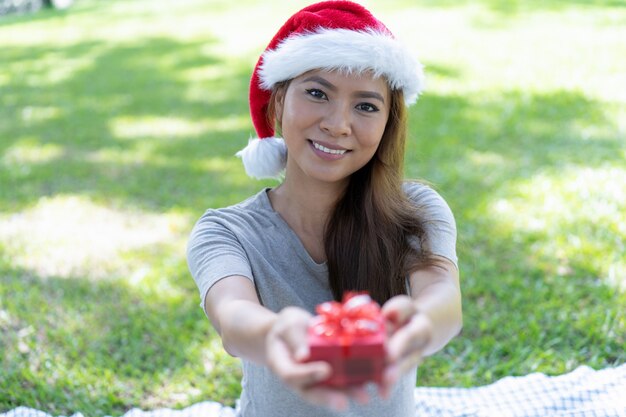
(583, 392)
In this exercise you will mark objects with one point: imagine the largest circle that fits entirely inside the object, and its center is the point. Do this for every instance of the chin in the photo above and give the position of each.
(329, 176)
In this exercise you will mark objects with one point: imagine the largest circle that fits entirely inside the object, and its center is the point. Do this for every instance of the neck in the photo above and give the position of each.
(306, 206)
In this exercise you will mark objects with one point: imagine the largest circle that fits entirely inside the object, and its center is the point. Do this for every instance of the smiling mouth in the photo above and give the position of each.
(328, 150)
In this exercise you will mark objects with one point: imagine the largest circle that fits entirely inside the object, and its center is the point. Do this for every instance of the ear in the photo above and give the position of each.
(279, 105)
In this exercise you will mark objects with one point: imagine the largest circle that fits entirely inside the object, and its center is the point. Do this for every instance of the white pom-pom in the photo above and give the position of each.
(264, 158)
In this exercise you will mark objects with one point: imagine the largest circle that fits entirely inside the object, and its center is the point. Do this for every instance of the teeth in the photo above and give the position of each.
(331, 151)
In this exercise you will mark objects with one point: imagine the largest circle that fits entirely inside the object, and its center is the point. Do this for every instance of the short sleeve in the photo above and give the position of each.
(439, 221)
(214, 253)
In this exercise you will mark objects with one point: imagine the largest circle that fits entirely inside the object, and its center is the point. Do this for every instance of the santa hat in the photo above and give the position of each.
(330, 35)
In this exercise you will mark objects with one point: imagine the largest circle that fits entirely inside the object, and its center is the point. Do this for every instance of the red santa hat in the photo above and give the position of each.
(330, 35)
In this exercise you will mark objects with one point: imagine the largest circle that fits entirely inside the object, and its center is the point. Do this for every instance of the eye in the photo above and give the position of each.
(367, 107)
(319, 94)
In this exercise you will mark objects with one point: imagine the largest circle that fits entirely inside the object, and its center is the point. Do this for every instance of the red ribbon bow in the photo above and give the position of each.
(356, 316)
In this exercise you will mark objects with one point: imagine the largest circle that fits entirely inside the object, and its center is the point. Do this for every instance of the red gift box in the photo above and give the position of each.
(350, 336)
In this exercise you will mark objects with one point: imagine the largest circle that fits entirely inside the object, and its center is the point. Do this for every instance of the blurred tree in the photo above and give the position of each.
(30, 6)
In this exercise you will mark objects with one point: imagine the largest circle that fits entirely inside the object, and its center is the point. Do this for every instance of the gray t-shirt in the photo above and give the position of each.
(251, 240)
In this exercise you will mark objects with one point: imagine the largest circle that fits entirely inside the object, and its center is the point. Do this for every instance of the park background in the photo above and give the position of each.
(118, 125)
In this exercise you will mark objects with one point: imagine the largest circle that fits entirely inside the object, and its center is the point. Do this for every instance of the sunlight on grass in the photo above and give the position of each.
(571, 195)
(30, 151)
(490, 159)
(32, 114)
(232, 166)
(212, 72)
(580, 214)
(66, 236)
(156, 127)
(184, 21)
(515, 57)
(179, 389)
(118, 128)
(126, 127)
(617, 275)
(43, 70)
(229, 123)
(250, 38)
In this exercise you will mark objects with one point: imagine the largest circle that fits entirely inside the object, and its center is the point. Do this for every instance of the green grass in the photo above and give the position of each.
(118, 125)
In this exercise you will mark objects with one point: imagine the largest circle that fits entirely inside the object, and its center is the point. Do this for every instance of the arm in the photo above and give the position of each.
(276, 340)
(425, 322)
(220, 268)
(233, 307)
(436, 294)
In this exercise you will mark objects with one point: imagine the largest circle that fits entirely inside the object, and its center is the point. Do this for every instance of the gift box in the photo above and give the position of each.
(350, 336)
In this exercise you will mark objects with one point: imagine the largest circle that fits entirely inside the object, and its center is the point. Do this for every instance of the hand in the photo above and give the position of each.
(409, 332)
(287, 349)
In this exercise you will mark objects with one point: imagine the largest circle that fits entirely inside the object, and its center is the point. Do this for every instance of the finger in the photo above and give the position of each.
(301, 376)
(395, 371)
(387, 381)
(359, 394)
(409, 362)
(398, 310)
(390, 376)
(413, 336)
(295, 374)
(292, 329)
(296, 338)
(384, 391)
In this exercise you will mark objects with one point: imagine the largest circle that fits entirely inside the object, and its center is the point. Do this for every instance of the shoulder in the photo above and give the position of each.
(425, 198)
(224, 232)
(439, 222)
(254, 209)
(416, 190)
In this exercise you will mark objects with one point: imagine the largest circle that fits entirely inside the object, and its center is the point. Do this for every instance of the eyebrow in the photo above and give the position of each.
(361, 94)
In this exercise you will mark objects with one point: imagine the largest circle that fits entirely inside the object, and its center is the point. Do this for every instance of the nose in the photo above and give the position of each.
(337, 121)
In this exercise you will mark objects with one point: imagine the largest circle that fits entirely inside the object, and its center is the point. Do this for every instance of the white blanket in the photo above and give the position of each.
(580, 393)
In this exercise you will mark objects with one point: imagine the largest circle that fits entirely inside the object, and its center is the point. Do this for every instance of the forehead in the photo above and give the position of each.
(355, 81)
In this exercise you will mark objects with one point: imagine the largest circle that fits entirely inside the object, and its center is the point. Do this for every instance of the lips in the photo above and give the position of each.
(329, 149)
(328, 152)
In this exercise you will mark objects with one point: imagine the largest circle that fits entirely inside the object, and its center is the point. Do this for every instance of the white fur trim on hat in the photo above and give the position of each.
(347, 51)
(264, 158)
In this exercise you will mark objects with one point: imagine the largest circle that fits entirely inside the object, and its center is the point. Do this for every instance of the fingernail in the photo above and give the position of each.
(301, 353)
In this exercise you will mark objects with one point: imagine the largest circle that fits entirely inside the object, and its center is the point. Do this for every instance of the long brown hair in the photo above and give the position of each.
(367, 235)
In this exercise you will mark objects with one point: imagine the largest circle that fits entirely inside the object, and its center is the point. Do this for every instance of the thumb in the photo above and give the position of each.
(295, 324)
(398, 310)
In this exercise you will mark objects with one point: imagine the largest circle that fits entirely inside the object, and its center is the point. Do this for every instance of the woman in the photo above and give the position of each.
(335, 82)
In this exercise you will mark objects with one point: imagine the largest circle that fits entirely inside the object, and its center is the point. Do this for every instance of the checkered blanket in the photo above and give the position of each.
(580, 393)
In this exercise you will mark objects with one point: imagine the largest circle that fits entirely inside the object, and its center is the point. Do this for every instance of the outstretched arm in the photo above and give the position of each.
(425, 322)
(276, 340)
(242, 322)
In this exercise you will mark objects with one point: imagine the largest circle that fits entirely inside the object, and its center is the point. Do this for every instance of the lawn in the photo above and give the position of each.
(118, 125)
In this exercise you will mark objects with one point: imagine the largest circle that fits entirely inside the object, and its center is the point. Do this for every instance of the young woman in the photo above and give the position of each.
(335, 83)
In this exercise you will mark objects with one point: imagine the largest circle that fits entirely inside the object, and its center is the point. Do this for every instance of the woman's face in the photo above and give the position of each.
(332, 123)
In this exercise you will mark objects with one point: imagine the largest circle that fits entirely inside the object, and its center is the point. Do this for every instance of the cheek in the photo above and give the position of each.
(289, 113)
(372, 134)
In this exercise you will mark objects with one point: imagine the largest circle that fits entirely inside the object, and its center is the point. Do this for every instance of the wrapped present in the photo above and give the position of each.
(350, 336)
